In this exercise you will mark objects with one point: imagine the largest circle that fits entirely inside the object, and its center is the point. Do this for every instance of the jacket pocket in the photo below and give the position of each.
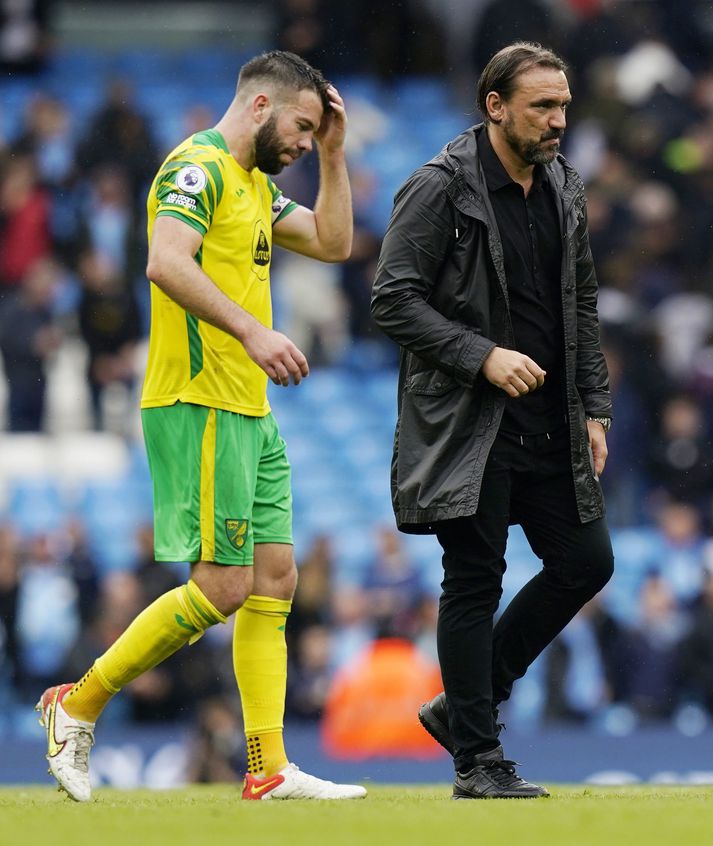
(431, 383)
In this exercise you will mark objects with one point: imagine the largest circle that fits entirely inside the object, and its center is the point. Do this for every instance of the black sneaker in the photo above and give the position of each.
(493, 777)
(433, 716)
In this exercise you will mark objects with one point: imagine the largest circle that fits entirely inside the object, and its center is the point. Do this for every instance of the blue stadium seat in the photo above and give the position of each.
(37, 506)
(420, 94)
(113, 511)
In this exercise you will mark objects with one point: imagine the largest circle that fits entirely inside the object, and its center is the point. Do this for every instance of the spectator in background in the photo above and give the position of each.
(680, 549)
(313, 309)
(109, 324)
(48, 135)
(681, 455)
(357, 273)
(24, 36)
(309, 673)
(28, 339)
(24, 220)
(393, 587)
(47, 611)
(313, 597)
(370, 705)
(582, 666)
(10, 658)
(217, 751)
(648, 652)
(389, 40)
(517, 20)
(109, 223)
(78, 557)
(120, 136)
(624, 483)
(352, 625)
(696, 650)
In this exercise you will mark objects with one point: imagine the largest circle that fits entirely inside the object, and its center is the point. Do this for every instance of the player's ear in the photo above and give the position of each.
(262, 107)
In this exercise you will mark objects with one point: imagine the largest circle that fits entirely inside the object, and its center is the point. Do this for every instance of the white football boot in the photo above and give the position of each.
(292, 783)
(68, 743)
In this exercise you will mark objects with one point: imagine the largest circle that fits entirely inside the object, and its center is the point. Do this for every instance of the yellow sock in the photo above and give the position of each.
(178, 617)
(87, 699)
(260, 661)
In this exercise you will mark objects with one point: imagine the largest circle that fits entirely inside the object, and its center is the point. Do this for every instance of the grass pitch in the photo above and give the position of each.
(392, 816)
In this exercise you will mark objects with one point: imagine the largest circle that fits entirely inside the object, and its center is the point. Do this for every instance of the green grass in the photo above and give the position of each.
(393, 816)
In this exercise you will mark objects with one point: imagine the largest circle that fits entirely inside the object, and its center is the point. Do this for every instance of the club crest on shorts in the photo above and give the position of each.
(237, 532)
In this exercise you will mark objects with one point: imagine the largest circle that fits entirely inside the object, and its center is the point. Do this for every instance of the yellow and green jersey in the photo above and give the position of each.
(189, 360)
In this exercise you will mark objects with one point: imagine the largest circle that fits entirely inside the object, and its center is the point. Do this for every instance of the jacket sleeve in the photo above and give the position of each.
(418, 240)
(592, 376)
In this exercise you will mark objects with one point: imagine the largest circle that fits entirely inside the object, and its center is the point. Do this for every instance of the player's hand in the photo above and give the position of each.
(275, 354)
(333, 129)
(598, 443)
(513, 372)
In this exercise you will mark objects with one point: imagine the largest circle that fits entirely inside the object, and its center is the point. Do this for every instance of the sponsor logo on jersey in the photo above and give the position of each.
(261, 255)
(260, 249)
(191, 179)
(174, 199)
(237, 532)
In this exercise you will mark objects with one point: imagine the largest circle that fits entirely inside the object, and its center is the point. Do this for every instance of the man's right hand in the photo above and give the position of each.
(513, 372)
(275, 354)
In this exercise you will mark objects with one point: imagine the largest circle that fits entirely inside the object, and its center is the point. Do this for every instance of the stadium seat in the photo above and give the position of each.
(82, 456)
(37, 506)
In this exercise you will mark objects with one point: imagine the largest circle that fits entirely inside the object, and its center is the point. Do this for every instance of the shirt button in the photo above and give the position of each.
(568, 289)
(571, 345)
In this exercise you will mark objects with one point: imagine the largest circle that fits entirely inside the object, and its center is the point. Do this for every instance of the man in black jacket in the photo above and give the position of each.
(487, 283)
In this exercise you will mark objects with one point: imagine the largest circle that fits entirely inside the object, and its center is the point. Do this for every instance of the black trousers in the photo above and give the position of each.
(527, 481)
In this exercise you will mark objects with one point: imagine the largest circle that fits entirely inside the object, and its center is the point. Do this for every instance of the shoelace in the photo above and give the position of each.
(503, 772)
(83, 741)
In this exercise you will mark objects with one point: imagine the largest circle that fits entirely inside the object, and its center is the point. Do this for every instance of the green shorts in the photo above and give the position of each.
(221, 483)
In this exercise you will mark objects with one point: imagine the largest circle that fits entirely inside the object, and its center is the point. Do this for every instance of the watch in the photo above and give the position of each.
(605, 421)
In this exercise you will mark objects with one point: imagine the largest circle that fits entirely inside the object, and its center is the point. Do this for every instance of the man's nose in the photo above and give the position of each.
(558, 119)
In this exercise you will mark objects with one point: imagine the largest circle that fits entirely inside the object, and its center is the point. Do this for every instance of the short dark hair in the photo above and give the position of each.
(286, 70)
(501, 72)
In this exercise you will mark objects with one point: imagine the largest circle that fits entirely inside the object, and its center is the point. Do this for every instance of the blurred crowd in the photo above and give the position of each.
(72, 252)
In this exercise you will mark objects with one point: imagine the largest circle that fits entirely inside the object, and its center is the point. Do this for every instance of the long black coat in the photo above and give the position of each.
(440, 292)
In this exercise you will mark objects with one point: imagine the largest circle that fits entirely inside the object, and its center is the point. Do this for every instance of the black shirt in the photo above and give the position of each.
(532, 247)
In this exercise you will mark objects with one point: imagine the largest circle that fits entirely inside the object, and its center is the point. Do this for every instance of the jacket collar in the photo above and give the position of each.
(462, 159)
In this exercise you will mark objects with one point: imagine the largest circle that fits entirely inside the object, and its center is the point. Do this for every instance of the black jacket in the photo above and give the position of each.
(441, 294)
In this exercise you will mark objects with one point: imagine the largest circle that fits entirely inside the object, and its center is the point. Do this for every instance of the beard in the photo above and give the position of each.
(531, 152)
(269, 148)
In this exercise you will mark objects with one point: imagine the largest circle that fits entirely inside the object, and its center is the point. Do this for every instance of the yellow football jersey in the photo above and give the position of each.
(189, 360)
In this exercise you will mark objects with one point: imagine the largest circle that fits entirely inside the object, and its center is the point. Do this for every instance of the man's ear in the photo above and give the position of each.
(496, 107)
(262, 107)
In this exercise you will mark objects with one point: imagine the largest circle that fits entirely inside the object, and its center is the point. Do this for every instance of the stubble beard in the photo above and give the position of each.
(532, 152)
(268, 147)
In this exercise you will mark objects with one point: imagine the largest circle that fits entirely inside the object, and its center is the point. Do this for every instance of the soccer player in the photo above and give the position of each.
(221, 478)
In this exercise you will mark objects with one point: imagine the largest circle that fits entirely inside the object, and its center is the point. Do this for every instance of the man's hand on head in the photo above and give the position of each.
(333, 128)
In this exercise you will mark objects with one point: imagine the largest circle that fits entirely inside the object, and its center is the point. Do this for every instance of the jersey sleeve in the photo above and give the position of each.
(281, 206)
(189, 187)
